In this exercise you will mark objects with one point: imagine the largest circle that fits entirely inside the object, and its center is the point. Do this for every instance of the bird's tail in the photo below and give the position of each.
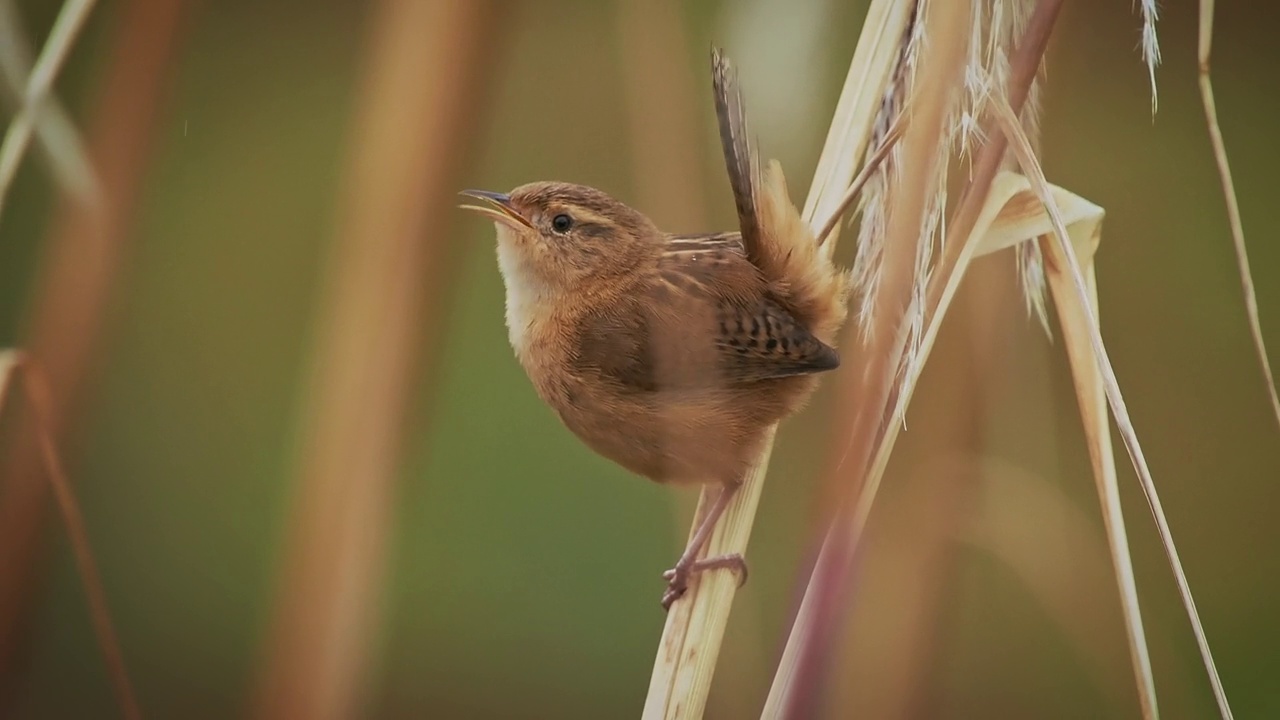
(816, 291)
(774, 236)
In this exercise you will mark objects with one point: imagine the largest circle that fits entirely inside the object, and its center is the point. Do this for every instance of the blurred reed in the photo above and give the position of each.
(430, 66)
(796, 690)
(38, 113)
(38, 399)
(663, 115)
(86, 248)
(946, 489)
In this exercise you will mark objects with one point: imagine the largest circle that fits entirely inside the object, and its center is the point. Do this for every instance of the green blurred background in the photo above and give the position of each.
(523, 570)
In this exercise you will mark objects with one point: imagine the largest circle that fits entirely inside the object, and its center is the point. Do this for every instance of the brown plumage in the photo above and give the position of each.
(670, 354)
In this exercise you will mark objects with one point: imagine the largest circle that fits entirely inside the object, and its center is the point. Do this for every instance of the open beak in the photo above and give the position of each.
(498, 207)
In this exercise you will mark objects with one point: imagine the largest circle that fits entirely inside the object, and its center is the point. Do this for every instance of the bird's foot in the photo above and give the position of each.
(678, 577)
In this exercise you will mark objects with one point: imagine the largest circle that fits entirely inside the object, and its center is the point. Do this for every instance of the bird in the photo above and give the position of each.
(671, 354)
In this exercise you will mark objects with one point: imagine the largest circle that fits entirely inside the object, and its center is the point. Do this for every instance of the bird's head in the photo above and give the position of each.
(562, 237)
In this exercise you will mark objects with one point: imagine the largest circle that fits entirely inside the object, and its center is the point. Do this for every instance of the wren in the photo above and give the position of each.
(671, 355)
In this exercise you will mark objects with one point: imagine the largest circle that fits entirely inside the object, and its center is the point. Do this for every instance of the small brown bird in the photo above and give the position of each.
(670, 354)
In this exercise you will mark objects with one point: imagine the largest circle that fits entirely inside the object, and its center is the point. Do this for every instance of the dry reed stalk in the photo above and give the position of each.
(38, 398)
(1205, 48)
(1010, 216)
(1096, 427)
(1075, 293)
(795, 692)
(851, 127)
(691, 638)
(1093, 414)
(428, 71)
(37, 110)
(85, 249)
(817, 611)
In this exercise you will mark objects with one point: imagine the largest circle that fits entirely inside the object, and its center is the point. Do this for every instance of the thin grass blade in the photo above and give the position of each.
(932, 96)
(1062, 257)
(1233, 206)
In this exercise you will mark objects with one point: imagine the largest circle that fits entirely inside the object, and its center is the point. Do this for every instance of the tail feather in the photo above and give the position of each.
(739, 157)
(805, 278)
(774, 236)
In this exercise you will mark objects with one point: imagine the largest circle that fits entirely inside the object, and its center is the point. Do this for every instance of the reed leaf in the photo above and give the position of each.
(1071, 291)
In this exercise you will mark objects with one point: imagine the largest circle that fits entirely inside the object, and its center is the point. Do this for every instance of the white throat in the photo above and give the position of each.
(526, 293)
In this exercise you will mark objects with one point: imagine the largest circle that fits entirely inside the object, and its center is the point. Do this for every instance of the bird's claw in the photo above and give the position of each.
(678, 577)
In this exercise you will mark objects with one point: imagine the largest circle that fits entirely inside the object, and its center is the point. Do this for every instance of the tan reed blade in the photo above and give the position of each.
(1067, 265)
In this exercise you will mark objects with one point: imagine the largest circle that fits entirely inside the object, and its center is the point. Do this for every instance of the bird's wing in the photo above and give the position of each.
(766, 342)
(703, 322)
(616, 345)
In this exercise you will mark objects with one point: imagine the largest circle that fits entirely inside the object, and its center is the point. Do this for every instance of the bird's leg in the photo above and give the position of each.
(688, 564)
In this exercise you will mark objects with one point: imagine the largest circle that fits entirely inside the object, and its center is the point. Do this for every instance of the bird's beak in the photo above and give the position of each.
(498, 207)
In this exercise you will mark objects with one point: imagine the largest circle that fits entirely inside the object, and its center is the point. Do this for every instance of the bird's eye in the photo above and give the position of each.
(561, 223)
